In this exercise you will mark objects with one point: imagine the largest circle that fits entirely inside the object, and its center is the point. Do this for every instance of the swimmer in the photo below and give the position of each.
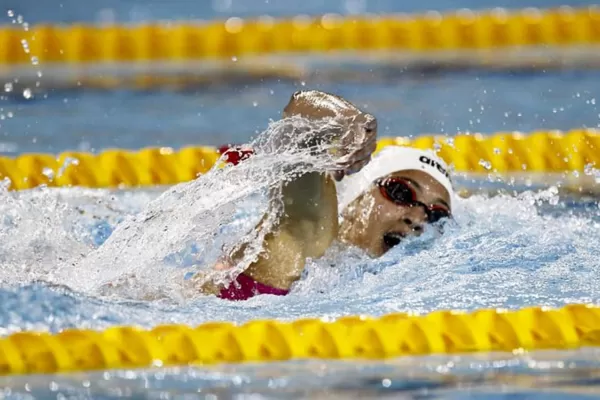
(384, 201)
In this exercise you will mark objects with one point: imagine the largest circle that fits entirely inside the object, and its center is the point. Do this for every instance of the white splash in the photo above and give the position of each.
(192, 222)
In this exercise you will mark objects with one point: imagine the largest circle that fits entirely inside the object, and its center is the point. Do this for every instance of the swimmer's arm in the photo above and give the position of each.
(307, 227)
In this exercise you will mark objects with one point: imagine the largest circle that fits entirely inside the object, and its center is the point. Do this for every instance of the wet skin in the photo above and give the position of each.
(375, 224)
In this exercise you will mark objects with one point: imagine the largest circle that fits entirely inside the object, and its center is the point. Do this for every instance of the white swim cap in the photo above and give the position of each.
(392, 159)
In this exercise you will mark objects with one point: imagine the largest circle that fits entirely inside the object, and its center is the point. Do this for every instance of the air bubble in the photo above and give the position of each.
(255, 104)
(20, 19)
(10, 13)
(497, 150)
(8, 87)
(34, 60)
(27, 94)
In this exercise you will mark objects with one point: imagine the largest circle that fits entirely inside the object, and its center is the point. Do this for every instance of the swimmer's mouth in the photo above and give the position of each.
(392, 239)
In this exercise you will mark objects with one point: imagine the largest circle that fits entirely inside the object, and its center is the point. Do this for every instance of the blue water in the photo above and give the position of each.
(532, 247)
(475, 102)
(136, 11)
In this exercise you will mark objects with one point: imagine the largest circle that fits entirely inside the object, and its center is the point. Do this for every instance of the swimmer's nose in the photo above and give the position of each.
(415, 218)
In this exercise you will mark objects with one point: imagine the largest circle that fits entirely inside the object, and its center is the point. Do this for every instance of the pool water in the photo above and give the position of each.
(527, 246)
(509, 246)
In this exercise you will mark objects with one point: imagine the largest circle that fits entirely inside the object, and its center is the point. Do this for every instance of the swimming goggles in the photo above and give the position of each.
(401, 192)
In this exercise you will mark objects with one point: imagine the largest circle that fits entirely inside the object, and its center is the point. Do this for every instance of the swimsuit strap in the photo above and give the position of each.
(244, 287)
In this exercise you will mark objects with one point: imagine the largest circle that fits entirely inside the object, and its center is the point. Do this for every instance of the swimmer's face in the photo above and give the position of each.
(397, 206)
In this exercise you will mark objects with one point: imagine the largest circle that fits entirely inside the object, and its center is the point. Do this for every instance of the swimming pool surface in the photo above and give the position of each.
(522, 246)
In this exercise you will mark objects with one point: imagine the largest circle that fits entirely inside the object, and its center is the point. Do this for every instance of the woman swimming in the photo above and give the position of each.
(384, 200)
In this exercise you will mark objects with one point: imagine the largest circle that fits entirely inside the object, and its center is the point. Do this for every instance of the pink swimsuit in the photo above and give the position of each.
(244, 287)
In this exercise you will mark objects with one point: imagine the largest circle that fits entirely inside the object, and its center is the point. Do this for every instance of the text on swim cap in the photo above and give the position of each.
(435, 164)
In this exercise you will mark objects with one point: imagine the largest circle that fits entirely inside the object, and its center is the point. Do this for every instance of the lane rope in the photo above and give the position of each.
(501, 152)
(235, 37)
(352, 337)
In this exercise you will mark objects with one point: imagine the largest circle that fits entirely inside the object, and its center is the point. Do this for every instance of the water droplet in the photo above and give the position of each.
(27, 94)
(68, 161)
(589, 170)
(485, 164)
(20, 19)
(10, 13)
(450, 141)
(593, 101)
(234, 59)
(39, 74)
(255, 104)
(9, 114)
(576, 174)
(302, 83)
(271, 92)
(34, 60)
(8, 87)
(25, 26)
(497, 150)
(48, 172)
(25, 46)
(2, 117)
(234, 25)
